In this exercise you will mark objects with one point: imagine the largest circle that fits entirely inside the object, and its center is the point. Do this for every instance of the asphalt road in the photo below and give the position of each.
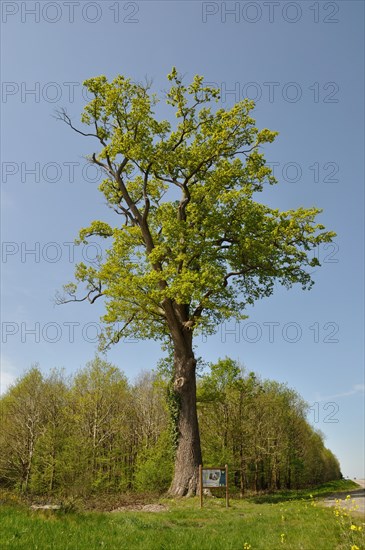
(357, 498)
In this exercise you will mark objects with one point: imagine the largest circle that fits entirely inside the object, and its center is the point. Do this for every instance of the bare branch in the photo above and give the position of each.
(91, 296)
(62, 115)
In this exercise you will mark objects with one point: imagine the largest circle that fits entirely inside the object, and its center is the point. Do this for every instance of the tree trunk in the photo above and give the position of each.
(188, 452)
(256, 477)
(29, 467)
(242, 473)
(53, 470)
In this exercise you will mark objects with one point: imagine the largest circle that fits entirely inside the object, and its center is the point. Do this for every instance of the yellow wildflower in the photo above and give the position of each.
(355, 528)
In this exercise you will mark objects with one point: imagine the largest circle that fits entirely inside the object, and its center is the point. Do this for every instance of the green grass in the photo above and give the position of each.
(304, 526)
(324, 490)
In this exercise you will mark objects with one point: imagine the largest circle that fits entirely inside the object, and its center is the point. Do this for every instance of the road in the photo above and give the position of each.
(357, 498)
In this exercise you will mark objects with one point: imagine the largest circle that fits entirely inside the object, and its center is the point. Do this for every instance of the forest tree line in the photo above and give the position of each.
(96, 432)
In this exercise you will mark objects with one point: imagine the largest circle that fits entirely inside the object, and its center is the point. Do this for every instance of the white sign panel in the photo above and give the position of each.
(214, 478)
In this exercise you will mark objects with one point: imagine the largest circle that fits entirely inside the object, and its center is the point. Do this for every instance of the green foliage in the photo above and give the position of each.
(194, 239)
(97, 433)
(23, 422)
(263, 433)
(100, 407)
(173, 406)
(154, 466)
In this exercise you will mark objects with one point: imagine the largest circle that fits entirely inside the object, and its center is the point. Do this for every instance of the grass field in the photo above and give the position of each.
(253, 524)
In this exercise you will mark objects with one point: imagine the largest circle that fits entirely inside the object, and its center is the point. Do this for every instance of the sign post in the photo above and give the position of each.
(201, 485)
(227, 495)
(213, 477)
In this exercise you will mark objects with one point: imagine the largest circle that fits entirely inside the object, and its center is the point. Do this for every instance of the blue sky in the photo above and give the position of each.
(303, 62)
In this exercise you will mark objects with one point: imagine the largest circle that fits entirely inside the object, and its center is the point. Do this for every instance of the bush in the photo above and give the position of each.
(154, 466)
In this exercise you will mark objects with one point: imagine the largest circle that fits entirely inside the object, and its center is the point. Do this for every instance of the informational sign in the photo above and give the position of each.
(214, 478)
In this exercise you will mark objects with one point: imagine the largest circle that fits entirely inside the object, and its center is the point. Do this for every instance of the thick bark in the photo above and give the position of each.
(188, 452)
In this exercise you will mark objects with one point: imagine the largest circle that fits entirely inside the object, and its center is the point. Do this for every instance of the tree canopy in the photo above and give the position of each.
(192, 243)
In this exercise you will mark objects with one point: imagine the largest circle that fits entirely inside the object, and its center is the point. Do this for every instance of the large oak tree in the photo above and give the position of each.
(191, 248)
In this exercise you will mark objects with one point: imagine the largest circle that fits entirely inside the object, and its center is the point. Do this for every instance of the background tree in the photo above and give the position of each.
(262, 433)
(100, 404)
(194, 248)
(153, 444)
(94, 433)
(50, 450)
(23, 421)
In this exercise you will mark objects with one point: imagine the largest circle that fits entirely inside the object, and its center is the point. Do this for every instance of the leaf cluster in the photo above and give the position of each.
(192, 247)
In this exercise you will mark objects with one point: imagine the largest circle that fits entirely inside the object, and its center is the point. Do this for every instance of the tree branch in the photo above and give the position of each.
(59, 300)
(62, 115)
